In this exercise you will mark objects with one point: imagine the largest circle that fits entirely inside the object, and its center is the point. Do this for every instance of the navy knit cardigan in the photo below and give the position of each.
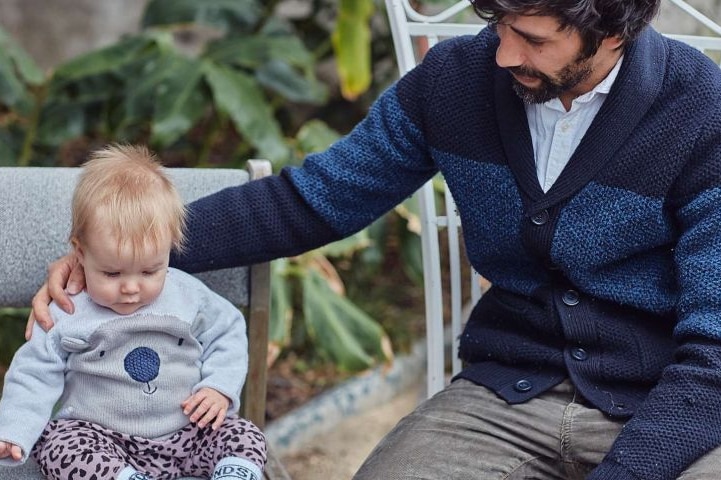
(611, 278)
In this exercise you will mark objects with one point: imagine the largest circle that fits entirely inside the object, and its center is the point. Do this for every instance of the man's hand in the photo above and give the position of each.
(8, 449)
(65, 276)
(204, 406)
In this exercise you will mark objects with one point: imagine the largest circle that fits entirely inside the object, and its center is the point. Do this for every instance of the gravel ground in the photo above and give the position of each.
(338, 454)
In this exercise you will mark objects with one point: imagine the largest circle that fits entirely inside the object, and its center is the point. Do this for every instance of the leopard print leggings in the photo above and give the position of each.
(86, 451)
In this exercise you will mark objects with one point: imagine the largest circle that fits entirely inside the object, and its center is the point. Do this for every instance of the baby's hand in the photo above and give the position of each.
(205, 405)
(8, 449)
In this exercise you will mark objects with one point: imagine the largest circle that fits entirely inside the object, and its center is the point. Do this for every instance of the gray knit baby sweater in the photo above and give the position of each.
(127, 373)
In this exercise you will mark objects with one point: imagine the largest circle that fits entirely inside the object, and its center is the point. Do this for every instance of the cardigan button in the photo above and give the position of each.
(523, 386)
(540, 218)
(571, 298)
(579, 354)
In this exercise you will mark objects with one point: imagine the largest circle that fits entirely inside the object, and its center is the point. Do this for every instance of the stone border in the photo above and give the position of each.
(287, 434)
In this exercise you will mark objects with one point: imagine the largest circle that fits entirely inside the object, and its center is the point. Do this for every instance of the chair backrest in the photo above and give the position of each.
(413, 33)
(35, 221)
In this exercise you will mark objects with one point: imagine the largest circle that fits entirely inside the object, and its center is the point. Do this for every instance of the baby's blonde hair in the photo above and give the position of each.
(124, 188)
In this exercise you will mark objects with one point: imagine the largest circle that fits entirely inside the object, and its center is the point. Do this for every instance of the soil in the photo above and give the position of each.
(290, 387)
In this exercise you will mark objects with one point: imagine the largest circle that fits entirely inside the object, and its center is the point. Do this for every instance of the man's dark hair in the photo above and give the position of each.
(593, 19)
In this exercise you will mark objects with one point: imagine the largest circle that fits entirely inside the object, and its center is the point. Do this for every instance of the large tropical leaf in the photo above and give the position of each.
(280, 77)
(342, 332)
(13, 92)
(314, 136)
(225, 14)
(60, 123)
(252, 51)
(105, 60)
(351, 44)
(179, 99)
(281, 306)
(27, 69)
(238, 95)
(10, 146)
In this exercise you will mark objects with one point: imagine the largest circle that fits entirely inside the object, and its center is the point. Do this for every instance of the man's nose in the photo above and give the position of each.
(509, 53)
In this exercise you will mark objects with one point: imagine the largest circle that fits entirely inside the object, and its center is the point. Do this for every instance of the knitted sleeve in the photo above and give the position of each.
(334, 194)
(220, 329)
(681, 419)
(33, 384)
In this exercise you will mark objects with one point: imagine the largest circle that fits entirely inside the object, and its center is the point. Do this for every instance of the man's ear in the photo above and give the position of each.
(612, 43)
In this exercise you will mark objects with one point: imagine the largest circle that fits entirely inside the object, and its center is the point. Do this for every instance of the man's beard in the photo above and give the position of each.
(570, 76)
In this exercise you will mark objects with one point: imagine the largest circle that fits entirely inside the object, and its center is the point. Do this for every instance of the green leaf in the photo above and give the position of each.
(10, 145)
(13, 93)
(351, 44)
(105, 60)
(225, 14)
(253, 51)
(315, 136)
(281, 306)
(342, 332)
(27, 69)
(60, 123)
(179, 99)
(239, 96)
(347, 246)
(283, 79)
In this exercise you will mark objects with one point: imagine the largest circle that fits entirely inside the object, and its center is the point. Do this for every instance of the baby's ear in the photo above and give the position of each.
(74, 345)
(77, 248)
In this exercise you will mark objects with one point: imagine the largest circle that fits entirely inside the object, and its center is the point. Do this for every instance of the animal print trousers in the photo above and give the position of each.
(86, 451)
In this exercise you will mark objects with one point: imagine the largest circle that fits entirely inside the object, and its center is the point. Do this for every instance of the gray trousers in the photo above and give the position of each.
(467, 432)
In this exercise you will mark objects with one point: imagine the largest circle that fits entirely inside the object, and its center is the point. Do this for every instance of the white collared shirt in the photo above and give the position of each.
(556, 133)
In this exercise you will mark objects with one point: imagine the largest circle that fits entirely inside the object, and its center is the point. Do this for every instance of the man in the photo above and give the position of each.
(584, 151)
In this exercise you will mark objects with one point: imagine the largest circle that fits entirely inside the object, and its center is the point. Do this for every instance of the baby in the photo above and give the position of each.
(143, 375)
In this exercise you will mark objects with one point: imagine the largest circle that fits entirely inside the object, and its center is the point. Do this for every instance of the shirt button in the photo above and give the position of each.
(540, 218)
(523, 386)
(579, 354)
(571, 297)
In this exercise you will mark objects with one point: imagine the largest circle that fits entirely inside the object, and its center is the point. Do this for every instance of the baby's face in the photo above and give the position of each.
(123, 278)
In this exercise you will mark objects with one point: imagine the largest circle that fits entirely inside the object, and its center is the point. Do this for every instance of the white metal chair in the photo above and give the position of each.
(413, 33)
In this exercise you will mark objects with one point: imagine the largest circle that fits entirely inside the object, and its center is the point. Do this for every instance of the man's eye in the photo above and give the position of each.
(111, 274)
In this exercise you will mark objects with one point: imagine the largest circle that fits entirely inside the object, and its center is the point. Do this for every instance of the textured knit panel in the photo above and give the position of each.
(589, 231)
(378, 165)
(129, 373)
(35, 223)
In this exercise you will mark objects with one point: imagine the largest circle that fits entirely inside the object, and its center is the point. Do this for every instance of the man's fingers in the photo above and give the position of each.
(40, 312)
(76, 281)
(58, 274)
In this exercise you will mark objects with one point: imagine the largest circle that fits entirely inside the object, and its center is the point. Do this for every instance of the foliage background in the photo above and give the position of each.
(212, 84)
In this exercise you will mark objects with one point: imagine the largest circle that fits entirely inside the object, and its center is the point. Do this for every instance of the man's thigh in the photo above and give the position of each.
(707, 467)
(468, 432)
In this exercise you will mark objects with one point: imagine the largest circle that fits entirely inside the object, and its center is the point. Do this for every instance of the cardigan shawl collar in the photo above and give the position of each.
(636, 88)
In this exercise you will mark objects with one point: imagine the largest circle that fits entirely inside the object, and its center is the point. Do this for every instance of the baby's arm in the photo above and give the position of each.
(205, 405)
(8, 449)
